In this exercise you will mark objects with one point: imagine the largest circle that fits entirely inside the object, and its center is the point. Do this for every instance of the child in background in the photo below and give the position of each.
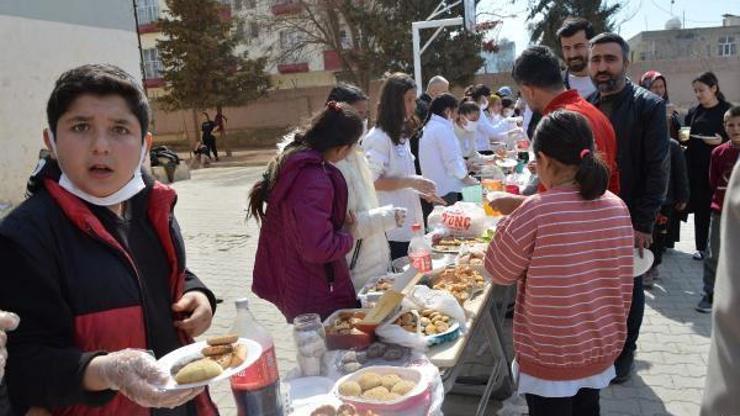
(387, 147)
(466, 127)
(570, 250)
(723, 160)
(675, 202)
(300, 265)
(370, 256)
(440, 157)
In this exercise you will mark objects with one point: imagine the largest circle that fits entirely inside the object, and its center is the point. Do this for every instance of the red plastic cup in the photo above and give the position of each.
(512, 189)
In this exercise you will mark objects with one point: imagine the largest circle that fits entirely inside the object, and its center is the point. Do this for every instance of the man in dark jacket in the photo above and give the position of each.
(94, 264)
(638, 118)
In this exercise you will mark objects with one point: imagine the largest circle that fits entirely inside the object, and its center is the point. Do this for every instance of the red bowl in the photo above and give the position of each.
(356, 341)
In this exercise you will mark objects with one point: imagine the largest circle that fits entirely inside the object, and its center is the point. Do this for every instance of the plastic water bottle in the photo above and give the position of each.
(256, 389)
(420, 252)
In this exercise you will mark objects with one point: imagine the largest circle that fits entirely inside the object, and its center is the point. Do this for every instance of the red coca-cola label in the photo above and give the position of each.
(422, 262)
(258, 375)
(456, 220)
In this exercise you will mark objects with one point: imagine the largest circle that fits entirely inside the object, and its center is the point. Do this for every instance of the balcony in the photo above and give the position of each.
(280, 9)
(148, 28)
(332, 61)
(293, 68)
(154, 82)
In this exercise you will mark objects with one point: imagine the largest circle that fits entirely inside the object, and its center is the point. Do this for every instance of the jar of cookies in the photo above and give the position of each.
(310, 340)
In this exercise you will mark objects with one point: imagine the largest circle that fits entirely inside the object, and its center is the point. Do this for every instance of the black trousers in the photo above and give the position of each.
(399, 249)
(623, 365)
(702, 218)
(210, 143)
(584, 403)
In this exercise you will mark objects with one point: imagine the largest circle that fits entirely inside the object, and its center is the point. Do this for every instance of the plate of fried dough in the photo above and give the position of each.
(205, 362)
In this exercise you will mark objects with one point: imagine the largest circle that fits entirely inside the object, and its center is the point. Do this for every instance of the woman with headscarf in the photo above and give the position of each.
(668, 223)
(655, 82)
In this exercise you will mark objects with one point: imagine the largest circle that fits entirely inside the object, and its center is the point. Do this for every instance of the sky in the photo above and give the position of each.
(637, 16)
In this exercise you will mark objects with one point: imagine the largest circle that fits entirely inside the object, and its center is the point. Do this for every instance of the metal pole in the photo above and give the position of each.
(417, 56)
(416, 39)
(141, 51)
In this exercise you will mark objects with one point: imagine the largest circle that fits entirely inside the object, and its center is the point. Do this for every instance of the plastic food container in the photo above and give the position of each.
(450, 335)
(417, 401)
(360, 340)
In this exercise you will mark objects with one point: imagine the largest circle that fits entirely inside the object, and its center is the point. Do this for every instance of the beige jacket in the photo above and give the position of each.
(722, 389)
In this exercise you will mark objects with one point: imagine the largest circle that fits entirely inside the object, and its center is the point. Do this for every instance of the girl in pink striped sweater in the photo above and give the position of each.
(569, 249)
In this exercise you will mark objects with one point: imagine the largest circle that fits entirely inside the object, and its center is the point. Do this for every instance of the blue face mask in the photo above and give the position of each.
(131, 188)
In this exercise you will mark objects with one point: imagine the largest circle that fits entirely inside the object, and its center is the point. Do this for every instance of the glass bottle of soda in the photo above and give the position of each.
(256, 389)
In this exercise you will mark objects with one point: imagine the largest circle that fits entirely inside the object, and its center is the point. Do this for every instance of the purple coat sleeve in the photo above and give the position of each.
(311, 206)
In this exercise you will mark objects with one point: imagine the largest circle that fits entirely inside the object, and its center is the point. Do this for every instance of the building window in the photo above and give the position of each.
(727, 46)
(147, 11)
(289, 39)
(245, 4)
(254, 30)
(152, 64)
(344, 39)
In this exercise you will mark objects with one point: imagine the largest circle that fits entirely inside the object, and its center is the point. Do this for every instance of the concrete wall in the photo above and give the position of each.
(680, 72)
(39, 40)
(698, 43)
(283, 108)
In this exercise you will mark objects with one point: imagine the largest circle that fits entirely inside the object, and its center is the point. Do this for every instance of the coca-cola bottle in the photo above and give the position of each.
(256, 389)
(420, 252)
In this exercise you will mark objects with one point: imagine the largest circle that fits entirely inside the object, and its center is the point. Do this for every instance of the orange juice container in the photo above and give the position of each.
(492, 180)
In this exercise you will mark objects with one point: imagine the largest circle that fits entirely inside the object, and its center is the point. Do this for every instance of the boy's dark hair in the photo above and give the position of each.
(573, 25)
(734, 111)
(439, 104)
(468, 107)
(710, 80)
(538, 67)
(337, 125)
(565, 136)
(607, 37)
(476, 91)
(346, 93)
(391, 108)
(507, 102)
(100, 80)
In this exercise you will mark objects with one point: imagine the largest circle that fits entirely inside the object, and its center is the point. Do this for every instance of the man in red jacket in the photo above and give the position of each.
(537, 73)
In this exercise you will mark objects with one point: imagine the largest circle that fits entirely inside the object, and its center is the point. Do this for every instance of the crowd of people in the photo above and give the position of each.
(615, 170)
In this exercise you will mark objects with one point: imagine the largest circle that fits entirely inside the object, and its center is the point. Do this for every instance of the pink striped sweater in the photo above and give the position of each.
(573, 262)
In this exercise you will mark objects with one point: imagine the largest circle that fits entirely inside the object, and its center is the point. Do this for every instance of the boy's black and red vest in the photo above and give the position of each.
(79, 295)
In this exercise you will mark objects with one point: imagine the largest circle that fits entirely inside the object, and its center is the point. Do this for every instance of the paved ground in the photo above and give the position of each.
(673, 346)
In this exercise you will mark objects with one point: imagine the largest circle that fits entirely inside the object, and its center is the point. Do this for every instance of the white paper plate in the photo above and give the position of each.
(643, 264)
(254, 350)
(307, 388)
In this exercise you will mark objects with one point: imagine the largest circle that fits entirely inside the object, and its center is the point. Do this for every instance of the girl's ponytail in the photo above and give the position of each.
(592, 175)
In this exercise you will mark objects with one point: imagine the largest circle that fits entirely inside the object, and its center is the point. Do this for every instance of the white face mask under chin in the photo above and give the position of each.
(131, 188)
(470, 126)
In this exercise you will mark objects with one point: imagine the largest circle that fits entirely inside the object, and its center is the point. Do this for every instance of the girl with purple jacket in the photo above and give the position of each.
(300, 265)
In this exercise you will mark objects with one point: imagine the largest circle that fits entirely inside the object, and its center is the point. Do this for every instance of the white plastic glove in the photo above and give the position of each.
(135, 374)
(8, 322)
